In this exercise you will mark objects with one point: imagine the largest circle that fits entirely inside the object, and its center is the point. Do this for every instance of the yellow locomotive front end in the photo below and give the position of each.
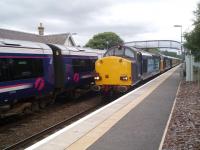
(113, 72)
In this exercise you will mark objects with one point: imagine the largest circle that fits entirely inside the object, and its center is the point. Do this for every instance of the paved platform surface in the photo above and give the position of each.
(136, 121)
(142, 128)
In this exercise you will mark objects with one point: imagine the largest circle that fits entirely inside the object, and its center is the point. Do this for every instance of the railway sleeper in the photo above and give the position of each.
(28, 107)
(21, 108)
(75, 94)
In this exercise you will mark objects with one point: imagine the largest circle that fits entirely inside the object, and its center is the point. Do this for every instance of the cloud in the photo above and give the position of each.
(128, 18)
(84, 17)
(26, 11)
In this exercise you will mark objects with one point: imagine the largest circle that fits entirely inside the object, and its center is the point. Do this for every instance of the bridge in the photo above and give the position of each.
(170, 44)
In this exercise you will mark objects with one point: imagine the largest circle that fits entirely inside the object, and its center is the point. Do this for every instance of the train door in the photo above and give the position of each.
(58, 67)
(139, 64)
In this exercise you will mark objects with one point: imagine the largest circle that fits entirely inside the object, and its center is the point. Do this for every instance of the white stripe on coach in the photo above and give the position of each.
(20, 87)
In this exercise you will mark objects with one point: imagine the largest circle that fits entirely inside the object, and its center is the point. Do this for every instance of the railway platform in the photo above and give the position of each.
(135, 121)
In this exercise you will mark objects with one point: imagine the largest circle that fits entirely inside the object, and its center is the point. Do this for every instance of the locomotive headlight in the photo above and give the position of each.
(124, 78)
(97, 77)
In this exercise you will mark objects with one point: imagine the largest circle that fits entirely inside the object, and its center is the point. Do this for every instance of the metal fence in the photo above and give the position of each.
(192, 69)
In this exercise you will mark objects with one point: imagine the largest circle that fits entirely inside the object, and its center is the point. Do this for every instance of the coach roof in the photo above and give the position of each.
(22, 44)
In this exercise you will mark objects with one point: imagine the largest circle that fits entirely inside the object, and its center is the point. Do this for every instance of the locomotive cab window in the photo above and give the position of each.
(119, 52)
(109, 53)
(115, 52)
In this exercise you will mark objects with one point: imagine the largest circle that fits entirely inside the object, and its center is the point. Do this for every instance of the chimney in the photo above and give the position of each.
(41, 29)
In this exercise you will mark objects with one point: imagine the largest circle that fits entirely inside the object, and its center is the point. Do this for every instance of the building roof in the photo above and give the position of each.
(54, 38)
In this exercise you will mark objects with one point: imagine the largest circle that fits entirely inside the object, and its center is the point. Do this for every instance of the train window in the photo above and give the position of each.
(4, 70)
(26, 68)
(83, 65)
(150, 65)
(156, 63)
(15, 69)
(92, 64)
(38, 68)
(144, 66)
(75, 64)
(129, 53)
(21, 68)
(1, 75)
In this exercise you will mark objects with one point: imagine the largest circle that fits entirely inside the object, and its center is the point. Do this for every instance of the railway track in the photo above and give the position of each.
(21, 131)
(38, 136)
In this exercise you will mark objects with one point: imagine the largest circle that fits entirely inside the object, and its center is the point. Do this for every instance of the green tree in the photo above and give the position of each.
(154, 50)
(104, 40)
(172, 54)
(193, 38)
(167, 53)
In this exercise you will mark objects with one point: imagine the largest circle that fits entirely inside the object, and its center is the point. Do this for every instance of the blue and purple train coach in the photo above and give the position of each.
(33, 74)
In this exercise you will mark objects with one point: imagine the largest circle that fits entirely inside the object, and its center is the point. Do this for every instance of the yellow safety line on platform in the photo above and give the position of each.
(93, 135)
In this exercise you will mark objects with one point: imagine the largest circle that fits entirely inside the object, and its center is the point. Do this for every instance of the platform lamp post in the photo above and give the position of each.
(183, 72)
(183, 53)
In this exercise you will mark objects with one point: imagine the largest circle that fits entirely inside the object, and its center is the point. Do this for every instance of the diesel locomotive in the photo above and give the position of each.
(33, 74)
(123, 67)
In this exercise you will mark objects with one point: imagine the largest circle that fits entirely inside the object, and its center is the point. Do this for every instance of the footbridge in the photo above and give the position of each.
(169, 44)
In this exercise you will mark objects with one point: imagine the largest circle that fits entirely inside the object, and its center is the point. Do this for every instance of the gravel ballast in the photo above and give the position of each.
(184, 129)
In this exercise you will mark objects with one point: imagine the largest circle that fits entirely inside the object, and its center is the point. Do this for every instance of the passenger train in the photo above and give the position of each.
(122, 67)
(33, 74)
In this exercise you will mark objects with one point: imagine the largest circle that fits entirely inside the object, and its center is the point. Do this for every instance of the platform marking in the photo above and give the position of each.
(51, 137)
(93, 135)
(168, 122)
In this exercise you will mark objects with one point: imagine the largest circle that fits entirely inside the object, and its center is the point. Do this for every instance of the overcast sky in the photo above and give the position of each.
(130, 19)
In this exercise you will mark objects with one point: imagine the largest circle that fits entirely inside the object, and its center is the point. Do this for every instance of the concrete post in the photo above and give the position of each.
(189, 59)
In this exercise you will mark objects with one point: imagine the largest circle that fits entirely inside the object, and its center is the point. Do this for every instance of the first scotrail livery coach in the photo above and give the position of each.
(33, 74)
